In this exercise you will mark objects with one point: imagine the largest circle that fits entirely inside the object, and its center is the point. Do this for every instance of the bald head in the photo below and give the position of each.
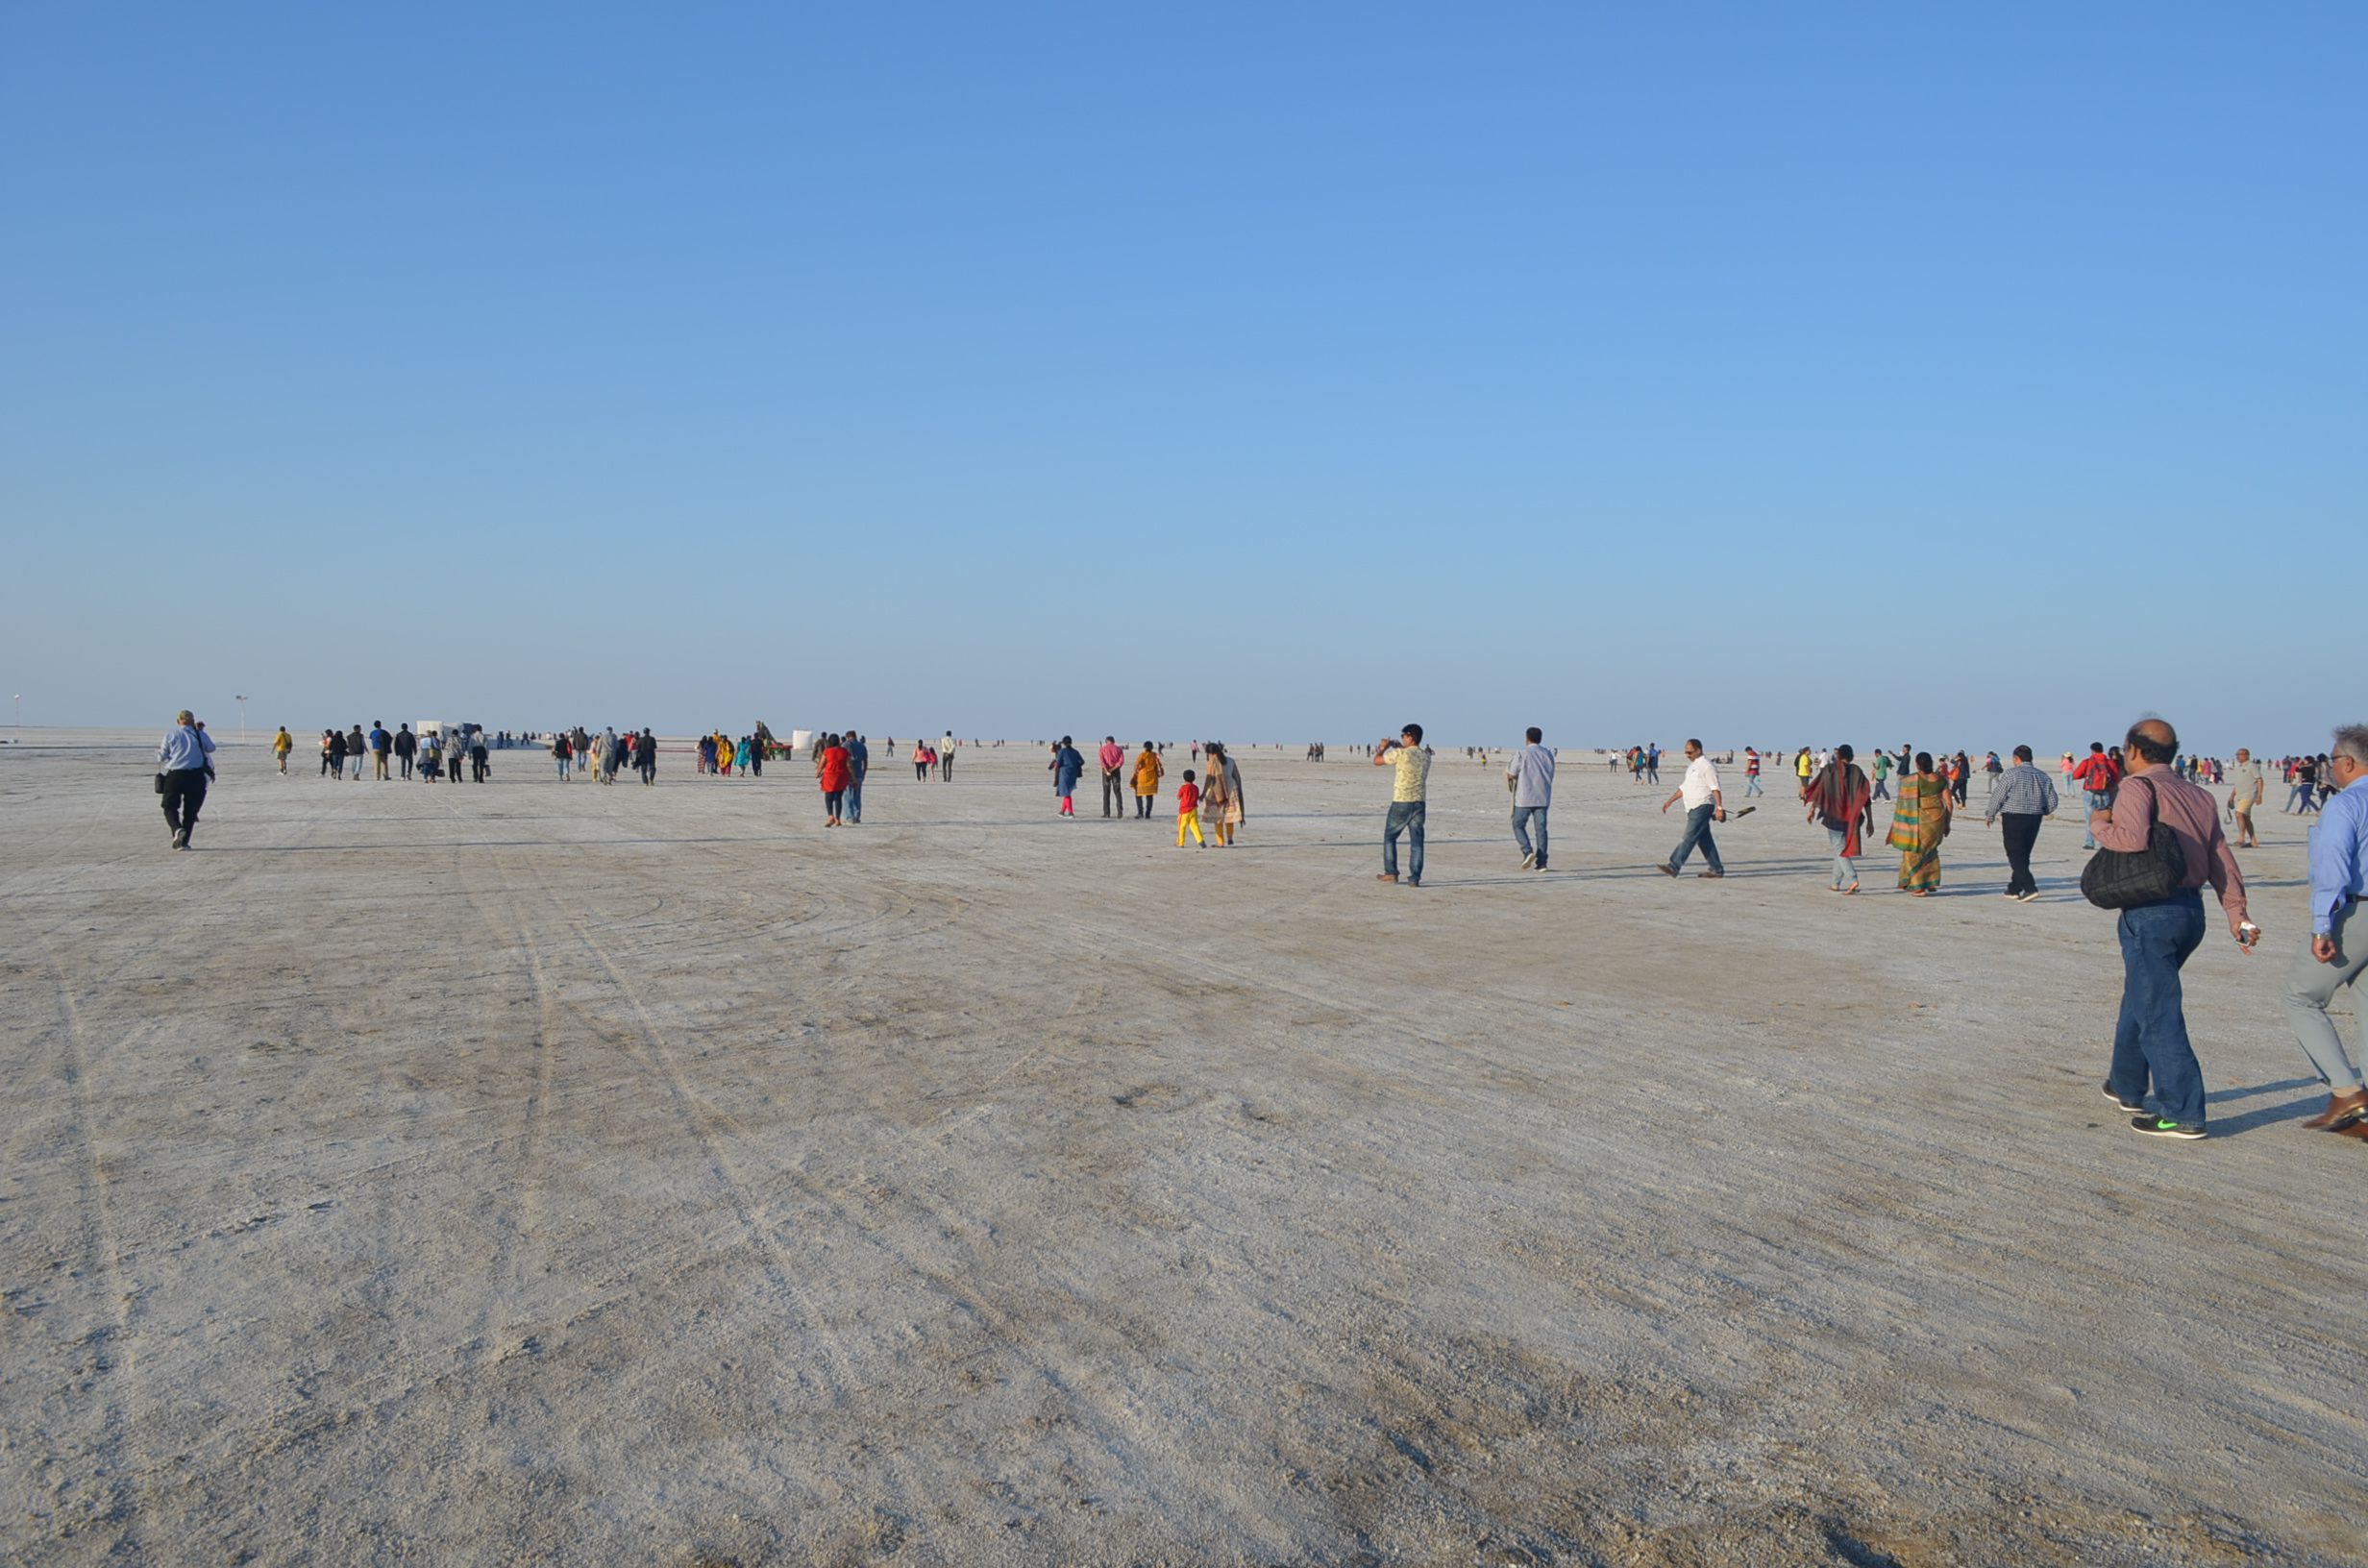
(2153, 739)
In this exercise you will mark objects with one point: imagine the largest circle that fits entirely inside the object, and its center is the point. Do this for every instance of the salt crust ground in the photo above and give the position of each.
(529, 1175)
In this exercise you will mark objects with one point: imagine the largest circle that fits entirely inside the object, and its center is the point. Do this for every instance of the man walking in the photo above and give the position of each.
(183, 759)
(356, 743)
(945, 759)
(2150, 1040)
(1112, 760)
(1751, 773)
(2338, 881)
(1704, 805)
(1408, 794)
(2096, 775)
(2022, 797)
(1652, 763)
(858, 764)
(407, 746)
(2246, 788)
(381, 746)
(1531, 774)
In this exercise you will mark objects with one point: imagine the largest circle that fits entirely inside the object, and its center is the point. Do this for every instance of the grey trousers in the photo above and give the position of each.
(2309, 987)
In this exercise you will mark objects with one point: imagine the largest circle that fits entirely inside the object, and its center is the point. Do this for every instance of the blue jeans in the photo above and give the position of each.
(855, 800)
(1698, 833)
(2098, 800)
(1845, 870)
(2297, 798)
(1405, 816)
(562, 762)
(1751, 784)
(2151, 1037)
(1522, 817)
(1883, 788)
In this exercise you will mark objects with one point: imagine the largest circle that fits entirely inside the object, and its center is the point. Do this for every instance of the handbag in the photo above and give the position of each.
(2126, 878)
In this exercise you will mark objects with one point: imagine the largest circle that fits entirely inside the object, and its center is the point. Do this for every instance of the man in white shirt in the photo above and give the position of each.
(944, 758)
(1704, 805)
(1530, 772)
(2246, 788)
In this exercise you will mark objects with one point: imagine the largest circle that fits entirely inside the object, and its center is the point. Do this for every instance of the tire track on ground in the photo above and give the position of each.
(1098, 1402)
(838, 1377)
(112, 1342)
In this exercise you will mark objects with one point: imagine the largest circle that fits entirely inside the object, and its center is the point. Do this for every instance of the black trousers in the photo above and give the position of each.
(1113, 795)
(1142, 805)
(406, 758)
(2022, 832)
(184, 792)
(477, 767)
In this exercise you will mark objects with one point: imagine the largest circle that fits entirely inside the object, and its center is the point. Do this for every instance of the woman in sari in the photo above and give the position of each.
(1919, 826)
(1220, 796)
(1840, 798)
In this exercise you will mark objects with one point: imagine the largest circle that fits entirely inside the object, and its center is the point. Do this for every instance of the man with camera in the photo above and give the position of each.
(1407, 798)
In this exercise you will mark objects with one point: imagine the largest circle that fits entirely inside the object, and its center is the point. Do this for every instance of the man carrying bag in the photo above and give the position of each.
(2160, 843)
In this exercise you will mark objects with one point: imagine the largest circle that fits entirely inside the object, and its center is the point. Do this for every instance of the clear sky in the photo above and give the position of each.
(1801, 372)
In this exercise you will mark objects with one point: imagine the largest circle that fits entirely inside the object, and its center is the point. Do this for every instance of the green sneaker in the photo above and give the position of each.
(2158, 1127)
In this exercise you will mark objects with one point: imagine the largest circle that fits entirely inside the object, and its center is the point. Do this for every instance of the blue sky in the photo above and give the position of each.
(1763, 372)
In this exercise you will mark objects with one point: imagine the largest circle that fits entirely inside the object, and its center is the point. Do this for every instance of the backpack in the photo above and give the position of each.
(2126, 878)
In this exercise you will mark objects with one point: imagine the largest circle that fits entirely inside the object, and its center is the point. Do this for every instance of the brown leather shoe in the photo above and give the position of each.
(1385, 877)
(2342, 1112)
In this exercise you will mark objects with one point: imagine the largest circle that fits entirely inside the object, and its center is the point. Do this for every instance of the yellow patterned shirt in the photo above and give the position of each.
(1413, 771)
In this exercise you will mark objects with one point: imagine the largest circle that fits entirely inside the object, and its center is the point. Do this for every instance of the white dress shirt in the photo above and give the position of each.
(1701, 783)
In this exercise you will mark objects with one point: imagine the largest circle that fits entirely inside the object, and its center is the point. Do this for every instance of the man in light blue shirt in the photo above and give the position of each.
(181, 765)
(2338, 881)
(1531, 774)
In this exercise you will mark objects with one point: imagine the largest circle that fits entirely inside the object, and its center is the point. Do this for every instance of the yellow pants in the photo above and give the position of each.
(1189, 822)
(1223, 831)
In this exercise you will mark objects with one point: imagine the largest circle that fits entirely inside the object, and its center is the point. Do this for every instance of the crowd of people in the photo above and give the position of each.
(2152, 820)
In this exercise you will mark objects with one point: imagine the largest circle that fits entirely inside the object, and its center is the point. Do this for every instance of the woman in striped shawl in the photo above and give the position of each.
(1839, 797)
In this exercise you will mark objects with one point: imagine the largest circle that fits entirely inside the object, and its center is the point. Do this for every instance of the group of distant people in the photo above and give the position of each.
(431, 756)
(2144, 800)
(606, 756)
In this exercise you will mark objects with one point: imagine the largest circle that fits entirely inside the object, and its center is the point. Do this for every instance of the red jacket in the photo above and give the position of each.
(837, 774)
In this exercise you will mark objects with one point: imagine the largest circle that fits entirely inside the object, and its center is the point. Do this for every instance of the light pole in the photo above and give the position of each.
(242, 721)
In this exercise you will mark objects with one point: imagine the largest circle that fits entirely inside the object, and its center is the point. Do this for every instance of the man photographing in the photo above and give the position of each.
(1406, 802)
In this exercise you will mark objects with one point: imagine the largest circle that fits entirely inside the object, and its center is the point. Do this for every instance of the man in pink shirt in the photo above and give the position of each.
(2151, 1037)
(1113, 758)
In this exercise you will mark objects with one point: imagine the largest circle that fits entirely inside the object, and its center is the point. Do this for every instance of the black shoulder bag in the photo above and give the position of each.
(2126, 878)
